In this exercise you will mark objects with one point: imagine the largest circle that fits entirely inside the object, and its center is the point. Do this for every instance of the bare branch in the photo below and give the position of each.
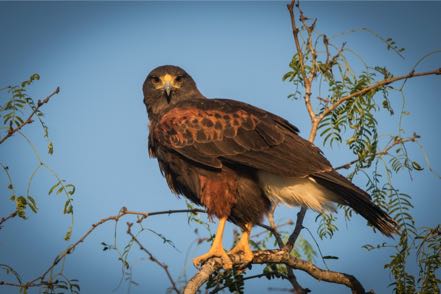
(298, 289)
(9, 216)
(29, 120)
(274, 227)
(295, 234)
(306, 80)
(276, 257)
(375, 86)
(309, 42)
(295, 33)
(40, 280)
(153, 258)
(278, 226)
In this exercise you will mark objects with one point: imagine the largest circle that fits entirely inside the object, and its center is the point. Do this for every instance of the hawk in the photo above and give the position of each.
(238, 160)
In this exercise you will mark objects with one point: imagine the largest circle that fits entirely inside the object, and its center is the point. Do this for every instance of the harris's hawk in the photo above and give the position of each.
(238, 160)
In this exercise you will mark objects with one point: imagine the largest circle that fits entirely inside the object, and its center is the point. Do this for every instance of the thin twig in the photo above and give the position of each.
(153, 258)
(9, 216)
(295, 33)
(295, 234)
(258, 276)
(29, 120)
(274, 227)
(38, 281)
(291, 277)
(278, 226)
(306, 80)
(375, 86)
(385, 151)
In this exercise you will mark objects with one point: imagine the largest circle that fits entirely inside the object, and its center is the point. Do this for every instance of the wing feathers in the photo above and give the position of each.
(208, 131)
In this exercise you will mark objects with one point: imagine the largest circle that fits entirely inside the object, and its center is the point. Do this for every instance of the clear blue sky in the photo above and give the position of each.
(100, 53)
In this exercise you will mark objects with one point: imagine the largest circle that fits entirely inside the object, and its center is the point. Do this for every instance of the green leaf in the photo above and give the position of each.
(32, 204)
(60, 190)
(50, 148)
(35, 77)
(70, 189)
(68, 234)
(54, 187)
(20, 206)
(416, 166)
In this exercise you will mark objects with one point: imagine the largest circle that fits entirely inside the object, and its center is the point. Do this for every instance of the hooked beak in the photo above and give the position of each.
(167, 90)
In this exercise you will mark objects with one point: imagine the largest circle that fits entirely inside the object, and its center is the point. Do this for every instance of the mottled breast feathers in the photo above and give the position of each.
(214, 132)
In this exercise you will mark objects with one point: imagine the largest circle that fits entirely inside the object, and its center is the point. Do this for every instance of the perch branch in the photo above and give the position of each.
(276, 257)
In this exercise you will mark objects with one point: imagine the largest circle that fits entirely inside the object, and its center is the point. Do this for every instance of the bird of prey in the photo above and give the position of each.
(238, 160)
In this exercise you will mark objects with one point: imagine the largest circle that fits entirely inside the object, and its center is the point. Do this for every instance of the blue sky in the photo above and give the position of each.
(99, 54)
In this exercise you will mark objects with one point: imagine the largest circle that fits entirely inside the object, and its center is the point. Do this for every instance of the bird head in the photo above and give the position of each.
(167, 85)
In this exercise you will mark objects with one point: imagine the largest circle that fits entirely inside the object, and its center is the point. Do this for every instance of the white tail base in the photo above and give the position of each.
(297, 191)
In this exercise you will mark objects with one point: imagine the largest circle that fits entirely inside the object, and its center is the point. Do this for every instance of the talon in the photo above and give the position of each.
(243, 246)
(214, 252)
(216, 249)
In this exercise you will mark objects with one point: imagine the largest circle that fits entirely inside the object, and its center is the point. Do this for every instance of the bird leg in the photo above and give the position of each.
(216, 249)
(243, 244)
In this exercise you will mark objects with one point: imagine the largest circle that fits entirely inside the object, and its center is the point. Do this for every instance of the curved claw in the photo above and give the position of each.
(215, 252)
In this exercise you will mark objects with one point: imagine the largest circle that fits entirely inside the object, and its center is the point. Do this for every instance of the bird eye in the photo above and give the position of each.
(179, 78)
(155, 79)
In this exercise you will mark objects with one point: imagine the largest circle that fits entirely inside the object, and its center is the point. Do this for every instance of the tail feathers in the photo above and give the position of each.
(358, 200)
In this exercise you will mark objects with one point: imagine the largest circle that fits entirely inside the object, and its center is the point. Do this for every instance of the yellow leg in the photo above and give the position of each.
(216, 249)
(243, 244)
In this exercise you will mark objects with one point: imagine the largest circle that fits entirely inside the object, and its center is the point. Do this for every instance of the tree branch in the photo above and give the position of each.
(306, 80)
(277, 257)
(295, 234)
(9, 216)
(273, 227)
(295, 33)
(291, 277)
(271, 230)
(38, 281)
(153, 258)
(375, 86)
(385, 151)
(29, 120)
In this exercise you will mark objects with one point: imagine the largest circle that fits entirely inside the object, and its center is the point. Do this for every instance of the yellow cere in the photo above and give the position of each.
(168, 79)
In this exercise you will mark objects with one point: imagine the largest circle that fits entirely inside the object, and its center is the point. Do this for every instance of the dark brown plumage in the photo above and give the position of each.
(236, 159)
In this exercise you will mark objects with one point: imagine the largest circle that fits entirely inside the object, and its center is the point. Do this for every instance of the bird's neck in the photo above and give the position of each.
(155, 115)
